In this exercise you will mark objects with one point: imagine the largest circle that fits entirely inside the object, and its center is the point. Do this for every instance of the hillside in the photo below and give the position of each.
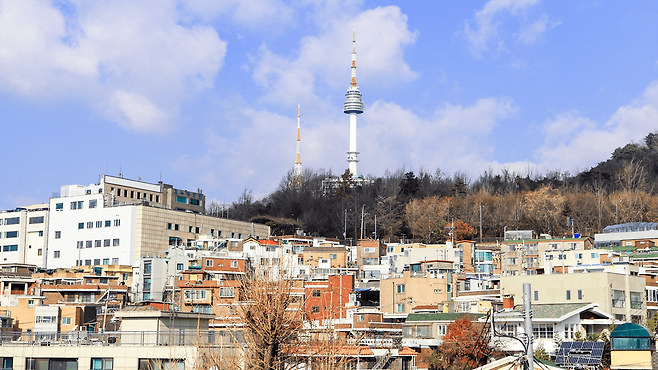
(422, 207)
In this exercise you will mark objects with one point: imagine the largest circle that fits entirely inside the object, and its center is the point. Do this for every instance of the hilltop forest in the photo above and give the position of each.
(429, 207)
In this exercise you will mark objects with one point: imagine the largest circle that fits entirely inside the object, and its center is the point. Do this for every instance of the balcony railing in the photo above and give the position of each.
(177, 337)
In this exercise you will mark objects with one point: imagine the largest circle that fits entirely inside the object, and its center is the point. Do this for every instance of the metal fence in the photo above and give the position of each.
(176, 337)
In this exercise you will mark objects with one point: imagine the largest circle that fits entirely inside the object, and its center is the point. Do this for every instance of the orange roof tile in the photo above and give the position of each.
(406, 351)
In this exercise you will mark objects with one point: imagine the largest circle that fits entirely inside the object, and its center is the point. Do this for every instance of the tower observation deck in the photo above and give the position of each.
(353, 106)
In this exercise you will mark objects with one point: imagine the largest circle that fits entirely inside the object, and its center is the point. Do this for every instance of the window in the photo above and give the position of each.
(197, 294)
(56, 254)
(315, 309)
(315, 293)
(81, 225)
(101, 364)
(106, 261)
(369, 250)
(30, 303)
(59, 206)
(106, 242)
(170, 226)
(58, 234)
(11, 234)
(40, 232)
(147, 268)
(92, 203)
(87, 262)
(12, 221)
(196, 230)
(568, 295)
(77, 205)
(180, 199)
(400, 288)
(99, 224)
(333, 256)
(108, 223)
(194, 202)
(209, 263)
(234, 264)
(66, 321)
(189, 229)
(226, 292)
(423, 331)
(580, 294)
(115, 261)
(10, 248)
(202, 308)
(115, 242)
(88, 244)
(81, 244)
(441, 330)
(117, 222)
(399, 307)
(176, 227)
(179, 266)
(594, 255)
(132, 193)
(618, 299)
(360, 318)
(636, 300)
(39, 252)
(45, 319)
(97, 261)
(147, 284)
(90, 225)
(97, 243)
(157, 199)
(536, 295)
(542, 331)
(36, 220)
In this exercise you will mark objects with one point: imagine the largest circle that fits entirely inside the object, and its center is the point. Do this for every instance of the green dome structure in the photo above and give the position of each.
(631, 337)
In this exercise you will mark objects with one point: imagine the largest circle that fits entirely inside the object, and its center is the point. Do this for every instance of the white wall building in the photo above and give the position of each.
(23, 235)
(85, 231)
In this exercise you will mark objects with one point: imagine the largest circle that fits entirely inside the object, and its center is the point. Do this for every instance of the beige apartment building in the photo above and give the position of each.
(523, 257)
(618, 294)
(430, 285)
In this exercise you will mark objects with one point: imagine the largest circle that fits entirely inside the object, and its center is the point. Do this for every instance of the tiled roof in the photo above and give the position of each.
(441, 316)
(550, 310)
(406, 351)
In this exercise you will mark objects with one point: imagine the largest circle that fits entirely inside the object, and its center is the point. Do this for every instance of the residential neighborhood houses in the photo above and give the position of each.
(126, 274)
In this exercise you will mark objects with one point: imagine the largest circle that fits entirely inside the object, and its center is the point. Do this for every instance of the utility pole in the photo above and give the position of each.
(527, 323)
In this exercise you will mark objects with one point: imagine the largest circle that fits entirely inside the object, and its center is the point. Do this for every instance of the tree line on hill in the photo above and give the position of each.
(435, 207)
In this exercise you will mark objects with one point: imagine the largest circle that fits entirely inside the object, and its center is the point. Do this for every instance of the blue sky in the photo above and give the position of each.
(204, 93)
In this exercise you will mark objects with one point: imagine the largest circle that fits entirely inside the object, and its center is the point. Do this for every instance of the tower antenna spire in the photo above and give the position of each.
(297, 172)
(353, 106)
(296, 179)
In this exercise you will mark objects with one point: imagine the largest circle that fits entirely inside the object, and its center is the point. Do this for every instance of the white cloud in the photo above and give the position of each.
(573, 142)
(249, 14)
(130, 56)
(456, 138)
(381, 34)
(486, 25)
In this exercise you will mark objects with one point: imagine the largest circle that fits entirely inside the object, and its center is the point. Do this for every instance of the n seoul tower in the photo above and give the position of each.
(353, 106)
(297, 171)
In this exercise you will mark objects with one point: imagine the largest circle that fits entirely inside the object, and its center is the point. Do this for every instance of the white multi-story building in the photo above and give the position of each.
(91, 225)
(23, 235)
(84, 230)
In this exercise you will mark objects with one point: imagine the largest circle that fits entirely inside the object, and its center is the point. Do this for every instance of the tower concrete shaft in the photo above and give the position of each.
(353, 106)
(297, 171)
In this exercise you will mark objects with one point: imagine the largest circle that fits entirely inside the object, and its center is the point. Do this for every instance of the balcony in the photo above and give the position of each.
(177, 337)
